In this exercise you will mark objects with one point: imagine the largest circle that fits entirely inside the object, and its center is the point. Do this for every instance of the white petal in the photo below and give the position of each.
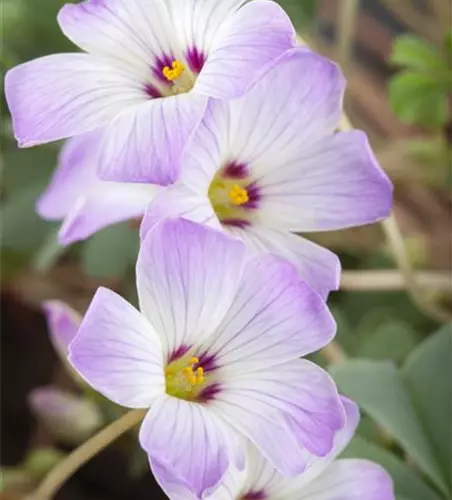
(350, 480)
(319, 267)
(289, 412)
(188, 293)
(144, 144)
(294, 104)
(275, 317)
(333, 184)
(190, 442)
(117, 352)
(61, 95)
(132, 34)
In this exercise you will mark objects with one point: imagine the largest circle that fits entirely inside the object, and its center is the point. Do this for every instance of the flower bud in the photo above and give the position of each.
(70, 418)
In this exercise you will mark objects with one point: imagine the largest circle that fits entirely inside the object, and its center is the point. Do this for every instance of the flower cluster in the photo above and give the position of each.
(205, 121)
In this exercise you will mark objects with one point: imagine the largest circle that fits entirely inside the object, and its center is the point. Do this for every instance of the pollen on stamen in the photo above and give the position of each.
(238, 195)
(175, 72)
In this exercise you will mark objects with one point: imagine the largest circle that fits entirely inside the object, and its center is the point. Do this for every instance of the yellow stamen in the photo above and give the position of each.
(175, 72)
(193, 361)
(238, 195)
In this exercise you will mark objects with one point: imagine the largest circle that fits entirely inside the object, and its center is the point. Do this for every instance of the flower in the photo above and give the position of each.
(271, 164)
(214, 354)
(325, 479)
(70, 418)
(85, 202)
(148, 70)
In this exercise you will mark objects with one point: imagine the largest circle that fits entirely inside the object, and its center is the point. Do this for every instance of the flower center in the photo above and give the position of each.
(185, 378)
(233, 195)
(182, 79)
(238, 195)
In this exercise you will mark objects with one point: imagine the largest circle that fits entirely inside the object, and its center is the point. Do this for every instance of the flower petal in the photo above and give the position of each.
(275, 317)
(61, 95)
(247, 44)
(144, 144)
(105, 203)
(131, 33)
(295, 103)
(63, 323)
(319, 267)
(189, 442)
(118, 352)
(336, 183)
(289, 412)
(188, 293)
(75, 172)
(178, 201)
(87, 203)
(351, 479)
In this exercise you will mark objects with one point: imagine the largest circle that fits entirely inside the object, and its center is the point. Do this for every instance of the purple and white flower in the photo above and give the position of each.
(148, 70)
(271, 164)
(325, 479)
(214, 355)
(82, 200)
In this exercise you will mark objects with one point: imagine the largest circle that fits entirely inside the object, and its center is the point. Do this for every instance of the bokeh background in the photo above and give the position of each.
(393, 352)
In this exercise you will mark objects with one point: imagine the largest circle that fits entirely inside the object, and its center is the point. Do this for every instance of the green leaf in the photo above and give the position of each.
(428, 374)
(111, 252)
(302, 13)
(379, 389)
(391, 340)
(418, 99)
(406, 481)
(414, 53)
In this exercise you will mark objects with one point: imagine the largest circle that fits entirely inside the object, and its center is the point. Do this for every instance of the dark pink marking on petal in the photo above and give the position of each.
(178, 353)
(159, 64)
(240, 223)
(207, 362)
(254, 195)
(196, 59)
(255, 495)
(152, 91)
(209, 393)
(236, 170)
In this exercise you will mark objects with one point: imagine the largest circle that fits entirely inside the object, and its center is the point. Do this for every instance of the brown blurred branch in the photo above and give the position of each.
(348, 14)
(394, 280)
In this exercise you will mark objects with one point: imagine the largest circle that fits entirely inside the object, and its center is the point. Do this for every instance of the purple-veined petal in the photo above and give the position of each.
(118, 352)
(178, 201)
(76, 171)
(132, 34)
(85, 202)
(188, 293)
(335, 183)
(290, 412)
(190, 442)
(208, 149)
(175, 487)
(61, 95)
(144, 144)
(319, 267)
(198, 23)
(105, 203)
(248, 43)
(349, 479)
(296, 103)
(274, 317)
(63, 323)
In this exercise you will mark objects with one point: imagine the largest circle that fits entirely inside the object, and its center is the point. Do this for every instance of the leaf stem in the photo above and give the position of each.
(65, 469)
